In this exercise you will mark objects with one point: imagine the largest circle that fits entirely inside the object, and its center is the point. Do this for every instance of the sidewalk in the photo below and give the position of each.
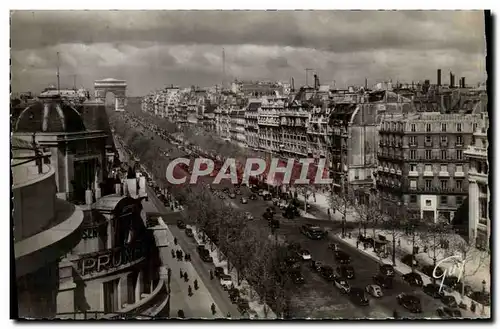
(246, 290)
(403, 269)
(196, 306)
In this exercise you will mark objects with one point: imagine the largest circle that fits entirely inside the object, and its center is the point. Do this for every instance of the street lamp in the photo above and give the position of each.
(484, 293)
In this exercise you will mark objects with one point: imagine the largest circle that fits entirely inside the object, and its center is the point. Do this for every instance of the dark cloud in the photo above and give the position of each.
(154, 48)
(329, 30)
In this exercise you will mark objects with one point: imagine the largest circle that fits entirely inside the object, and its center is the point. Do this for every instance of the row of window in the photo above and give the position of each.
(443, 200)
(443, 167)
(444, 127)
(428, 139)
(444, 183)
(459, 154)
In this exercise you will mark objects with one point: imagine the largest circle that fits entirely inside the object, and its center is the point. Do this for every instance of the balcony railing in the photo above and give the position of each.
(382, 155)
(483, 221)
(435, 190)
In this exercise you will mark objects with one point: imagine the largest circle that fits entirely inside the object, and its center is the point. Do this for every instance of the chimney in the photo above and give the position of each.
(439, 77)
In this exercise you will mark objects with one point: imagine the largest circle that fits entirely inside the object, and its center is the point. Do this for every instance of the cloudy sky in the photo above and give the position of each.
(151, 49)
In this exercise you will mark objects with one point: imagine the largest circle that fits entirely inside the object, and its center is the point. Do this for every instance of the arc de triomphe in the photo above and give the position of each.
(117, 87)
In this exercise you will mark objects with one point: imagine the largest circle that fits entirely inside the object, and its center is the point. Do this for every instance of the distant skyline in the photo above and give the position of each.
(151, 49)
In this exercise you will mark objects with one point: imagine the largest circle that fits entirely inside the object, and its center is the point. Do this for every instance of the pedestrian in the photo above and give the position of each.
(180, 254)
(180, 314)
(395, 314)
(186, 278)
(228, 315)
(213, 308)
(473, 307)
(357, 244)
(195, 283)
(175, 241)
(211, 275)
(399, 242)
(173, 253)
(349, 235)
(190, 291)
(182, 274)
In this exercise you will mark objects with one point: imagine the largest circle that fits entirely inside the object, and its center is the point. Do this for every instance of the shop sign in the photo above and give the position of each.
(111, 258)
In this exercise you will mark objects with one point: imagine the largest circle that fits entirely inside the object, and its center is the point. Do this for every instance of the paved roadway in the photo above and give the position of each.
(318, 298)
(218, 294)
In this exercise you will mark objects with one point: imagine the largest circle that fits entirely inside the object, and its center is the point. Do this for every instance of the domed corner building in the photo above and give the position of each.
(106, 264)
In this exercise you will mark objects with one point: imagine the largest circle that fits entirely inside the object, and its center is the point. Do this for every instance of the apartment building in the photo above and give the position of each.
(293, 123)
(252, 124)
(422, 164)
(223, 121)
(269, 123)
(479, 193)
(237, 126)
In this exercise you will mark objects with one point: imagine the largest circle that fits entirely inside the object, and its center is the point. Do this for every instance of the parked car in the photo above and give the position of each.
(387, 270)
(312, 232)
(408, 259)
(414, 279)
(346, 271)
(433, 290)
(232, 195)
(226, 281)
(449, 301)
(374, 290)
(243, 306)
(244, 200)
(358, 297)
(451, 281)
(342, 284)
(304, 254)
(446, 312)
(383, 281)
(237, 191)
(249, 216)
(410, 302)
(234, 295)
(296, 277)
(481, 297)
(189, 232)
(342, 257)
(367, 241)
(252, 197)
(218, 271)
(429, 271)
(181, 224)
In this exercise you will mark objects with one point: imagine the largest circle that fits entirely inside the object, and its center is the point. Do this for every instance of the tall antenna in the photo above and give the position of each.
(58, 82)
(223, 68)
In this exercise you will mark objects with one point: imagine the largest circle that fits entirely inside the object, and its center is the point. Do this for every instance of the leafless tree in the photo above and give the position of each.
(341, 203)
(392, 221)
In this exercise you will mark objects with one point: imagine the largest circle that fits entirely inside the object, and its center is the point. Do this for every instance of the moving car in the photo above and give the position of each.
(226, 281)
(449, 301)
(189, 232)
(358, 297)
(374, 290)
(414, 279)
(312, 232)
(383, 281)
(232, 195)
(433, 290)
(387, 270)
(234, 295)
(410, 302)
(346, 271)
(274, 223)
(181, 224)
(296, 277)
(304, 254)
(237, 191)
(266, 195)
(446, 312)
(341, 257)
(249, 216)
(244, 200)
(252, 197)
(316, 266)
(333, 246)
(204, 254)
(342, 284)
(327, 272)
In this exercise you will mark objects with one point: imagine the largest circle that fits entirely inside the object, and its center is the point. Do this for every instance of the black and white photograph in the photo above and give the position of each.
(250, 165)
